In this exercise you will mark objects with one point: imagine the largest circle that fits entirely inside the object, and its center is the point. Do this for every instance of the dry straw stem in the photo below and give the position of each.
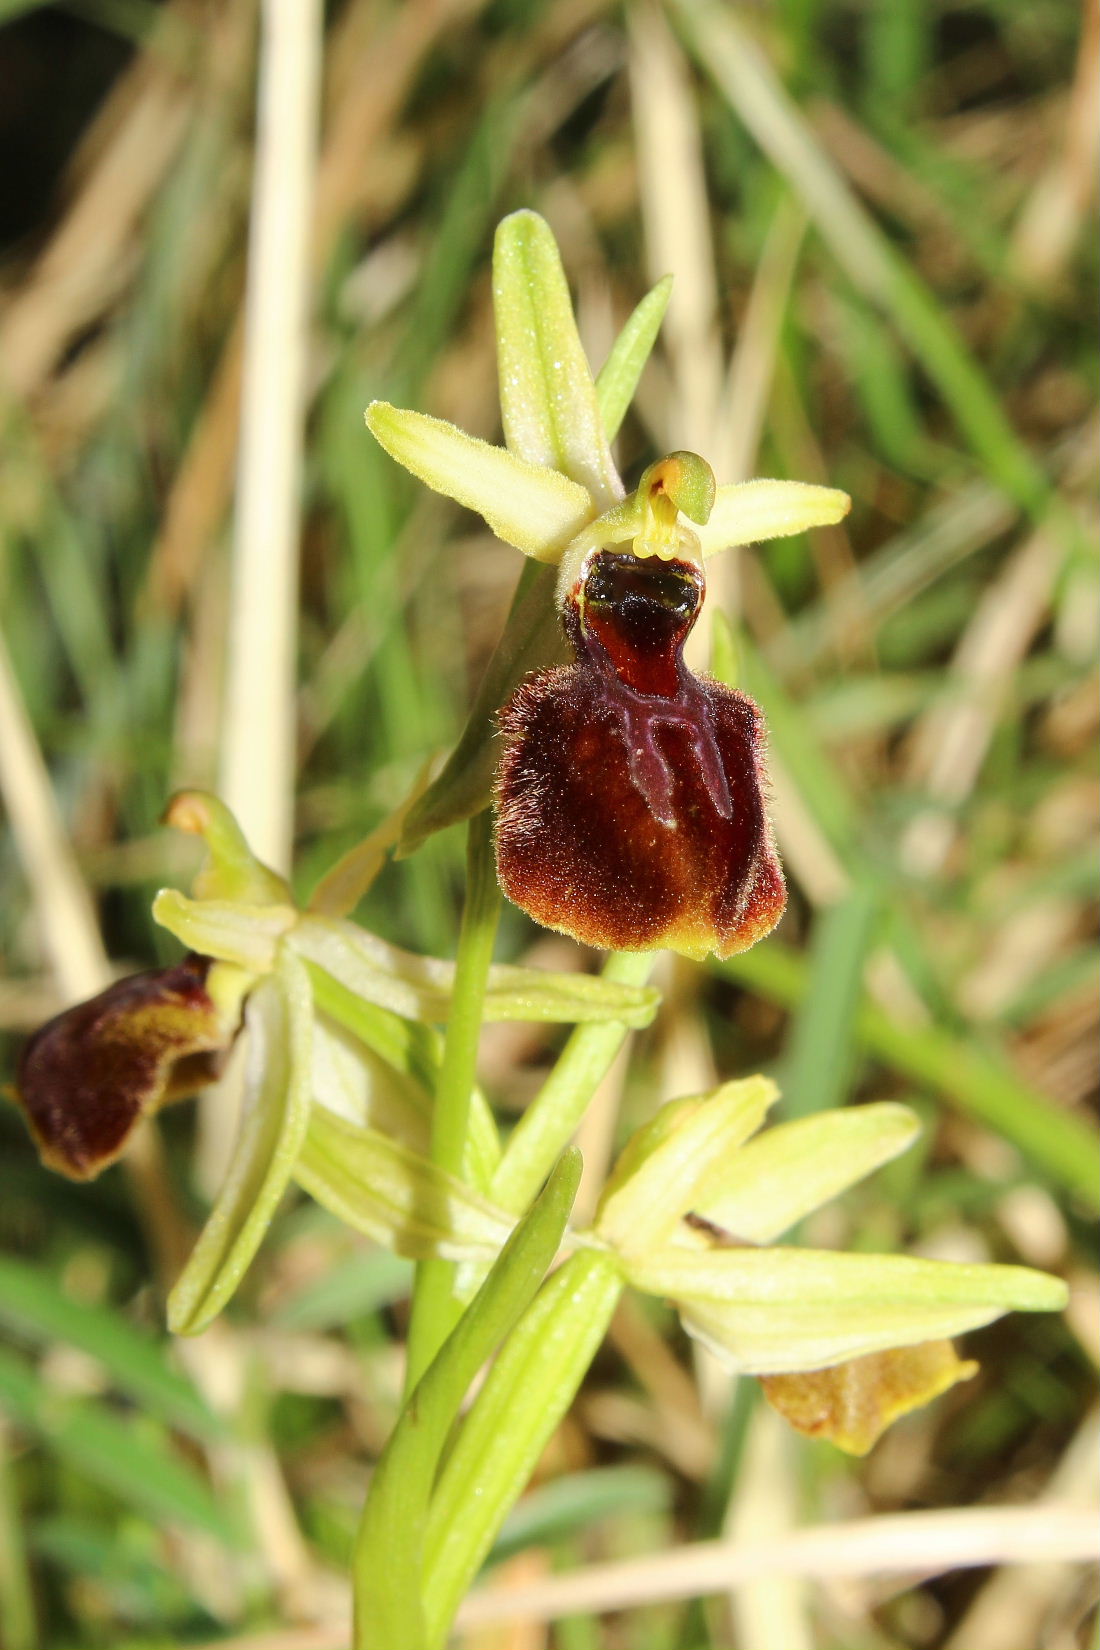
(893, 1544)
(258, 756)
(897, 1544)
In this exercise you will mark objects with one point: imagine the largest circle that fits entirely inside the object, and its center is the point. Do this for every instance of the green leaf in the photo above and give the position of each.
(769, 1311)
(534, 508)
(396, 1196)
(127, 1457)
(390, 1601)
(818, 1067)
(422, 988)
(525, 1395)
(32, 1304)
(792, 1169)
(750, 511)
(618, 377)
(273, 1126)
(547, 397)
(532, 640)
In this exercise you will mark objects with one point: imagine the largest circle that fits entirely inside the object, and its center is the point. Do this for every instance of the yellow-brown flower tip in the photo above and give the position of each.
(87, 1077)
(630, 793)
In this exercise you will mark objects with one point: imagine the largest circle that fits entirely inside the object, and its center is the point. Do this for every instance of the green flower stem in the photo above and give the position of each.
(548, 1123)
(434, 1309)
(388, 1563)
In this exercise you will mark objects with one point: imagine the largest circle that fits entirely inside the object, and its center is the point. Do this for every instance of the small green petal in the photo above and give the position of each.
(247, 935)
(618, 377)
(776, 1179)
(671, 1164)
(273, 1126)
(232, 871)
(527, 505)
(547, 397)
(756, 510)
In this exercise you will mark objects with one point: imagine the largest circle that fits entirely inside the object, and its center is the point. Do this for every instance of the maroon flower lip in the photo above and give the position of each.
(630, 793)
(89, 1075)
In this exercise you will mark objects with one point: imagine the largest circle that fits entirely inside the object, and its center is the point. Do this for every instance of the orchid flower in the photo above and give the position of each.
(630, 793)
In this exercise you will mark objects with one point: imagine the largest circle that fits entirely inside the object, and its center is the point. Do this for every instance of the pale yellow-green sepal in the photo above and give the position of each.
(792, 1169)
(548, 400)
(755, 510)
(769, 1311)
(231, 931)
(396, 1196)
(273, 1124)
(528, 505)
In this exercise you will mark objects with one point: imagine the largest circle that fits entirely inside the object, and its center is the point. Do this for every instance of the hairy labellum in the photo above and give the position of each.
(89, 1075)
(630, 805)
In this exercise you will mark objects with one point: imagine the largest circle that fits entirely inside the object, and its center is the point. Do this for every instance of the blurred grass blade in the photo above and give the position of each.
(130, 1458)
(821, 1046)
(1062, 1147)
(746, 78)
(33, 1305)
(618, 377)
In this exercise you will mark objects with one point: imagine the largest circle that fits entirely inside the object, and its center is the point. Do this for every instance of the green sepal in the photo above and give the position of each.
(396, 1196)
(388, 1550)
(547, 398)
(792, 1169)
(771, 1311)
(278, 1023)
(247, 935)
(535, 509)
(422, 988)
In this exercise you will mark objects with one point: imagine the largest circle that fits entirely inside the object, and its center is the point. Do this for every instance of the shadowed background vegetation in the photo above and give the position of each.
(880, 221)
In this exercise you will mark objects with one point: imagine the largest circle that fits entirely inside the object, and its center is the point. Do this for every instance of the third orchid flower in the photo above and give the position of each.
(630, 794)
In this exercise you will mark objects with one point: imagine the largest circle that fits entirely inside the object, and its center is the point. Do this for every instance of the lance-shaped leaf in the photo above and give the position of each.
(532, 639)
(783, 1174)
(752, 511)
(618, 377)
(547, 397)
(390, 1609)
(525, 1395)
(852, 1404)
(273, 1126)
(670, 1165)
(770, 1311)
(395, 1196)
(246, 935)
(421, 988)
(534, 508)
